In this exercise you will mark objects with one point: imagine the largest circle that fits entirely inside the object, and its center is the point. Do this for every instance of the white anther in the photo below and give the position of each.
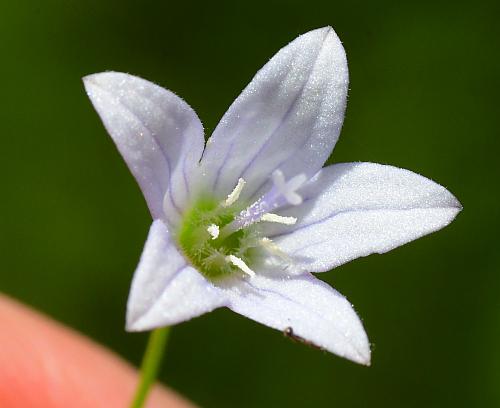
(273, 248)
(235, 194)
(239, 263)
(288, 188)
(268, 244)
(270, 217)
(213, 230)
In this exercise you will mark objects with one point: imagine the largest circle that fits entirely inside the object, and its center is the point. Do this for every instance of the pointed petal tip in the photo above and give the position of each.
(90, 82)
(324, 34)
(87, 81)
(450, 200)
(361, 360)
(135, 325)
(358, 349)
(91, 78)
(454, 206)
(457, 204)
(138, 326)
(130, 326)
(362, 357)
(96, 78)
(325, 30)
(133, 319)
(140, 322)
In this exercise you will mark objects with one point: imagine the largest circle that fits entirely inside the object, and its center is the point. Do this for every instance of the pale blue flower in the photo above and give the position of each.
(243, 221)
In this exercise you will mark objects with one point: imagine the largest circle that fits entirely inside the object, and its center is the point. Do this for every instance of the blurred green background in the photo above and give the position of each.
(424, 96)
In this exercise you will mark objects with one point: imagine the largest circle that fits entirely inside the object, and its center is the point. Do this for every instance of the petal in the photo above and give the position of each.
(166, 289)
(289, 117)
(306, 307)
(158, 134)
(356, 209)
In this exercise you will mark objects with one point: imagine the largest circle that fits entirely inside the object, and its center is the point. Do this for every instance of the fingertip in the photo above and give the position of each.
(44, 364)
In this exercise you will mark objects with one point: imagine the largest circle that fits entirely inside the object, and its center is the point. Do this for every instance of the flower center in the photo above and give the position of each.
(199, 238)
(221, 238)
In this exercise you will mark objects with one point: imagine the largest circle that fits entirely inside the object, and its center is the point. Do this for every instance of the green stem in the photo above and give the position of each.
(150, 365)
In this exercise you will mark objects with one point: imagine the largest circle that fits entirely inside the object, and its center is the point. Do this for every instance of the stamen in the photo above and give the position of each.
(273, 248)
(239, 263)
(213, 230)
(270, 217)
(282, 194)
(235, 194)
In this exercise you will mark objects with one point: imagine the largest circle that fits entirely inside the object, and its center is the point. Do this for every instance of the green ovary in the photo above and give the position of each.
(207, 254)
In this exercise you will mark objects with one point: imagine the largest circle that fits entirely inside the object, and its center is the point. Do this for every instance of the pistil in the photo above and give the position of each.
(219, 239)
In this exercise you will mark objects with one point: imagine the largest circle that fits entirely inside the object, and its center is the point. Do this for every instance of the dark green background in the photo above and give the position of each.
(424, 96)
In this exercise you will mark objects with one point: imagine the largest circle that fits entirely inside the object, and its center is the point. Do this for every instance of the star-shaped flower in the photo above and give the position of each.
(243, 221)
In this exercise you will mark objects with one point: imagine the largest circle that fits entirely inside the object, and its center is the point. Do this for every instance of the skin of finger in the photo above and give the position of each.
(46, 365)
